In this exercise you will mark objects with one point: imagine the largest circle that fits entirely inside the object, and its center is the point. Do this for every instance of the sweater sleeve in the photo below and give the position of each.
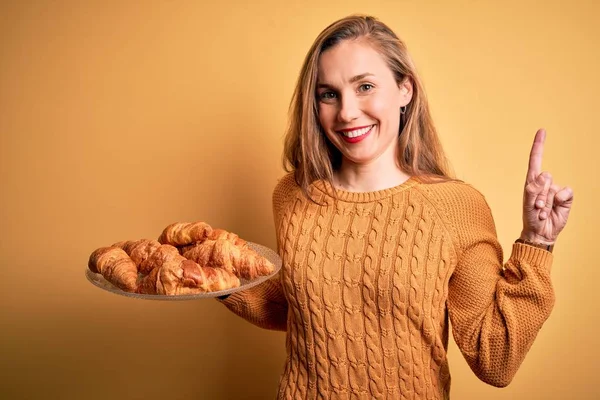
(265, 305)
(496, 309)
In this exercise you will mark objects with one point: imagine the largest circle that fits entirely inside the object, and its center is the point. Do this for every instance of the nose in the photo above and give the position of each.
(349, 109)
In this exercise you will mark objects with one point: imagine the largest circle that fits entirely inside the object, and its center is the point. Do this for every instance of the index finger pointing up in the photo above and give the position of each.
(535, 157)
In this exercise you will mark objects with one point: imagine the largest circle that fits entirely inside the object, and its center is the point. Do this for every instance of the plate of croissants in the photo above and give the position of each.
(190, 260)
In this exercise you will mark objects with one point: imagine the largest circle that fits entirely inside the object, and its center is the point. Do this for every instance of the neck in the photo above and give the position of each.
(368, 177)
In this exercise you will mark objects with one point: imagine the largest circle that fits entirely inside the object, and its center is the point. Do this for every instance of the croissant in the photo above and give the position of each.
(185, 233)
(116, 266)
(223, 234)
(179, 276)
(217, 261)
(243, 262)
(160, 256)
(140, 251)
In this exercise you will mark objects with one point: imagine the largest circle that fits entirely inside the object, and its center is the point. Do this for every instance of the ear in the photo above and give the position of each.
(406, 91)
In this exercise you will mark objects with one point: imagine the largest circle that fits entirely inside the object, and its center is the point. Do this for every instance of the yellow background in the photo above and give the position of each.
(118, 119)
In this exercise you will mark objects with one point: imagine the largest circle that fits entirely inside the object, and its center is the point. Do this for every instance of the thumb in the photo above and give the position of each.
(564, 197)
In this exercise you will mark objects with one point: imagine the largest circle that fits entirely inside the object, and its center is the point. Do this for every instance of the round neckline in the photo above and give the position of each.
(365, 197)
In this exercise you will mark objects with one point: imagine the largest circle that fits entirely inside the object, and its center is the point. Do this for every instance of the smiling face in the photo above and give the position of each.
(359, 103)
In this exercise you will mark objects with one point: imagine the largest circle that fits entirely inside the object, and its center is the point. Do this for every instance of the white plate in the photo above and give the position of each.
(99, 281)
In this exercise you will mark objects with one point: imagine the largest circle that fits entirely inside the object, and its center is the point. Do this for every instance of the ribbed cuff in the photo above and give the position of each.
(532, 255)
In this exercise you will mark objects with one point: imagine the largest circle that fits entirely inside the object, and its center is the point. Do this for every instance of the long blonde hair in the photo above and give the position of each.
(309, 153)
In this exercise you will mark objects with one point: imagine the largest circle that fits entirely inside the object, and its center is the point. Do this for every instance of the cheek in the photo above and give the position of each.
(326, 120)
(383, 107)
(326, 116)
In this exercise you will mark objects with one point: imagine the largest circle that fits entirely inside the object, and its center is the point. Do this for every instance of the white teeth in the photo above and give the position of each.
(357, 132)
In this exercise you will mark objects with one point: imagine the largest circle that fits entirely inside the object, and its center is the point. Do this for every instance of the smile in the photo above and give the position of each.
(356, 134)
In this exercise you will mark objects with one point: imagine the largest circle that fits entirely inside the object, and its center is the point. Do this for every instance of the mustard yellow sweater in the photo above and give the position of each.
(368, 286)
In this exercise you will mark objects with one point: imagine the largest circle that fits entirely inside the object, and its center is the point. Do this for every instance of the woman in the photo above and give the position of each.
(381, 247)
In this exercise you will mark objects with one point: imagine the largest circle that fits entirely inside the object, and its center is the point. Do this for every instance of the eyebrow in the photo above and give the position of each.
(352, 80)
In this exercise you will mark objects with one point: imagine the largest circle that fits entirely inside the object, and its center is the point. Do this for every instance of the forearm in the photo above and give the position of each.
(264, 306)
(496, 331)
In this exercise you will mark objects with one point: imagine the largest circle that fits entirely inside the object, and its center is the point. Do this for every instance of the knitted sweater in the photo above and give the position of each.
(369, 285)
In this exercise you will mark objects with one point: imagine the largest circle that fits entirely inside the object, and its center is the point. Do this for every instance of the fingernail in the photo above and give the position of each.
(540, 203)
(543, 215)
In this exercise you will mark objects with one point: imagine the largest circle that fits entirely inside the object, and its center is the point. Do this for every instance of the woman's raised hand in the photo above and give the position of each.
(546, 205)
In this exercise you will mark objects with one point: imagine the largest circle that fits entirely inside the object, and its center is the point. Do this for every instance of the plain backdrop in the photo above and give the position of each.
(120, 117)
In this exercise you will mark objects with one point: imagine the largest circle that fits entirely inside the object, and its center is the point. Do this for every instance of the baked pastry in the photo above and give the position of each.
(240, 259)
(116, 266)
(185, 233)
(140, 251)
(223, 234)
(179, 276)
(164, 253)
(164, 271)
(187, 258)
(215, 235)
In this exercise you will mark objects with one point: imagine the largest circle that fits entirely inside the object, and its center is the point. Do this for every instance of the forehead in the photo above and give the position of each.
(351, 58)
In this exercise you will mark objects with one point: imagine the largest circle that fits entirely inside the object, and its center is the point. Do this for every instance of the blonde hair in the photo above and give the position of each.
(308, 152)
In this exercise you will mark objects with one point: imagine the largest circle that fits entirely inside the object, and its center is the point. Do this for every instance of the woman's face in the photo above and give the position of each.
(359, 102)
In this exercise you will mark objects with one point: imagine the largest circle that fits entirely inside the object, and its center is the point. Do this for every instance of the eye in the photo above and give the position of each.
(327, 96)
(365, 87)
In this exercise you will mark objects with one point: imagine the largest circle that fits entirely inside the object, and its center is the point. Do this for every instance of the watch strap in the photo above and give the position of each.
(547, 247)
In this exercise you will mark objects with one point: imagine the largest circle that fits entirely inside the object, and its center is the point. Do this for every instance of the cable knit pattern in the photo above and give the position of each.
(370, 282)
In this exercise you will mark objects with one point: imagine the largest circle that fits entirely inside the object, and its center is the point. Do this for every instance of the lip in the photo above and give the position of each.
(358, 138)
(353, 129)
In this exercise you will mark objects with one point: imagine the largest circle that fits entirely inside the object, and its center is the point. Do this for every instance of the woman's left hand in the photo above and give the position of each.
(546, 205)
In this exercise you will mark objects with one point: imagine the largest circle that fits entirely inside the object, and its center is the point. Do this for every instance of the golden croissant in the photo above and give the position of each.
(185, 233)
(121, 263)
(116, 266)
(167, 271)
(188, 258)
(241, 261)
(179, 276)
(223, 234)
(141, 251)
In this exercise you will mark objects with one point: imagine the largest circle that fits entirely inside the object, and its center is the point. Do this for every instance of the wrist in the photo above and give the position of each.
(535, 238)
(536, 242)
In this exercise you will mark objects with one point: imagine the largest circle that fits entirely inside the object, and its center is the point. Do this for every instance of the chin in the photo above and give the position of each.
(359, 159)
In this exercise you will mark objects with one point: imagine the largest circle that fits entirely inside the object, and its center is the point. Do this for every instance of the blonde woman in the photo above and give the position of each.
(382, 248)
